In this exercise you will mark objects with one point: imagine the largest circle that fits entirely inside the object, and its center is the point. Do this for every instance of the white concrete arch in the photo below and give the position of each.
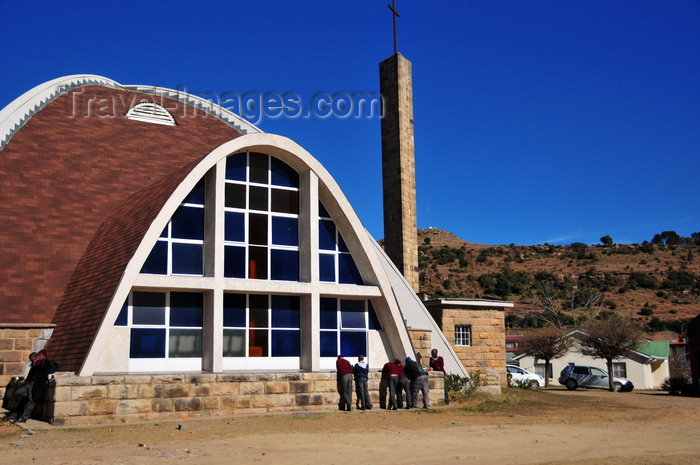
(315, 179)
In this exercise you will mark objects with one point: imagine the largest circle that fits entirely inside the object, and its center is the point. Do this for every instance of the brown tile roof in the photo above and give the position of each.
(76, 196)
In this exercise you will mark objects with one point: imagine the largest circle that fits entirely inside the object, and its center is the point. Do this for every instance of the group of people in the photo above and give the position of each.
(404, 383)
(34, 387)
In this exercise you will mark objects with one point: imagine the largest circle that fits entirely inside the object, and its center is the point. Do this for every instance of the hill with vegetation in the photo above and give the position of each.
(656, 283)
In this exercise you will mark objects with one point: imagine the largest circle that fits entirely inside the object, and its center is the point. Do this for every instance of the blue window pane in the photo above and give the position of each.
(123, 317)
(185, 343)
(258, 168)
(234, 227)
(352, 314)
(157, 261)
(234, 343)
(329, 313)
(188, 223)
(322, 212)
(236, 167)
(285, 231)
(234, 262)
(326, 235)
(285, 343)
(147, 343)
(326, 264)
(284, 265)
(148, 308)
(341, 244)
(373, 319)
(285, 311)
(197, 195)
(187, 259)
(234, 310)
(347, 270)
(353, 343)
(283, 174)
(186, 309)
(329, 343)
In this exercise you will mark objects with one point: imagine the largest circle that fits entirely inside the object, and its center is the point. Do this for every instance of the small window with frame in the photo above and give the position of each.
(463, 335)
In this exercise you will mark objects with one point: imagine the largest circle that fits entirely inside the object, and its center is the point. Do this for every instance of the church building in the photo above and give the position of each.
(173, 257)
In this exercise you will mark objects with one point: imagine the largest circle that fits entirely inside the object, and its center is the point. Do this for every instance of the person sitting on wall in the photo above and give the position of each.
(437, 363)
(34, 387)
(344, 383)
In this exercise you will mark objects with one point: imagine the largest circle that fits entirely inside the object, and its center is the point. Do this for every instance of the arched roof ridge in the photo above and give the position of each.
(19, 111)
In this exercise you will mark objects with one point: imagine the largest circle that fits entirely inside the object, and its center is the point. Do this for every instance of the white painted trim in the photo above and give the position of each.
(470, 303)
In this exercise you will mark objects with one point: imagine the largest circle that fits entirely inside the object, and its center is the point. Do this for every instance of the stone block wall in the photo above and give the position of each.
(399, 166)
(486, 353)
(421, 340)
(75, 400)
(16, 343)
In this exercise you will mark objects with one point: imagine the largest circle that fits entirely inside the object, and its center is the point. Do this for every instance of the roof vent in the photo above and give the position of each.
(148, 112)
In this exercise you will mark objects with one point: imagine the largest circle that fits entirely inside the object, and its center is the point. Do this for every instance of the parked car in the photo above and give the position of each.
(574, 376)
(518, 374)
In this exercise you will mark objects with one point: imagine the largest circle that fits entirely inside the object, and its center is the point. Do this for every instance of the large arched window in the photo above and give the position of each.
(223, 280)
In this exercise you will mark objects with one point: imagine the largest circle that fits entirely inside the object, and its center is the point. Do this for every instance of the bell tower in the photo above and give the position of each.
(398, 163)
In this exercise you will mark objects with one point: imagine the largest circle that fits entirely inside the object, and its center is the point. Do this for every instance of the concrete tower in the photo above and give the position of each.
(398, 166)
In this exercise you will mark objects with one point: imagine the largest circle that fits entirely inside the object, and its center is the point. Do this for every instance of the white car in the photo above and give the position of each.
(518, 375)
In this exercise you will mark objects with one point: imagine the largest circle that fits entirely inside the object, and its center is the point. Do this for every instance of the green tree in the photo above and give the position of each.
(667, 238)
(606, 240)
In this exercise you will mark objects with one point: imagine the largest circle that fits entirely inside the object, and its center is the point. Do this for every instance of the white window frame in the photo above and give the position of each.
(463, 335)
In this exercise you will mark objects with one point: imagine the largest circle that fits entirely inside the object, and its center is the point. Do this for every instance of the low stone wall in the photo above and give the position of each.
(75, 400)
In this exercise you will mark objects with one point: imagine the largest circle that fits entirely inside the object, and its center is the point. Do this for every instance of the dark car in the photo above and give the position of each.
(574, 376)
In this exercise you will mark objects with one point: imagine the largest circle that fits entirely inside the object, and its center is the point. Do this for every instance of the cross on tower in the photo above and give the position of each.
(394, 14)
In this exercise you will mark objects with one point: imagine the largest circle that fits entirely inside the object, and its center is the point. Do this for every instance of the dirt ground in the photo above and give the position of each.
(549, 426)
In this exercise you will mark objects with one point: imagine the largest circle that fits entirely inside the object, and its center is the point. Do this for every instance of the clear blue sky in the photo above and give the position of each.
(535, 121)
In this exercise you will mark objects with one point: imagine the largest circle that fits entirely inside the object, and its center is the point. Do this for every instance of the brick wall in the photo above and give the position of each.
(73, 400)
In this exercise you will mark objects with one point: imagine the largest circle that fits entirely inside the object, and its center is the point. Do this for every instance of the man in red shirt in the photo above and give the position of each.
(392, 375)
(344, 383)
